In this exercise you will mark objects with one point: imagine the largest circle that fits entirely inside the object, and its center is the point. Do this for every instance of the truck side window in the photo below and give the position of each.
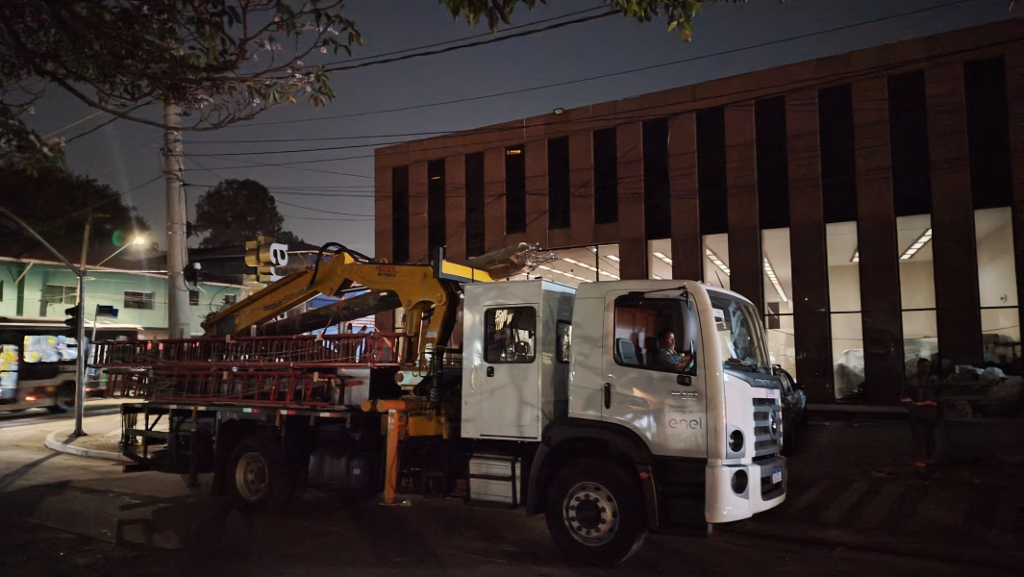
(563, 341)
(651, 334)
(510, 335)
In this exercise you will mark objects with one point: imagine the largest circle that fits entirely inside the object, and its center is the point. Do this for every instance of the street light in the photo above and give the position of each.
(138, 240)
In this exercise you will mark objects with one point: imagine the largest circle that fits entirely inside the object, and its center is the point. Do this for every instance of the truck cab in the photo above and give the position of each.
(667, 382)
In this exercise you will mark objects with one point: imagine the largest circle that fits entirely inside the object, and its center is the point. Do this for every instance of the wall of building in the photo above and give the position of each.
(147, 292)
(855, 154)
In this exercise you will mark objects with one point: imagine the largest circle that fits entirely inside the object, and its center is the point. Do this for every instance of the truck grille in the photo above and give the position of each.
(764, 442)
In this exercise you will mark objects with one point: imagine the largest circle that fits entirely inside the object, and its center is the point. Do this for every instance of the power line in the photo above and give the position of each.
(620, 73)
(548, 28)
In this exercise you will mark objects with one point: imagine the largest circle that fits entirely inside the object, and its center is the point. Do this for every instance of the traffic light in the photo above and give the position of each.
(73, 319)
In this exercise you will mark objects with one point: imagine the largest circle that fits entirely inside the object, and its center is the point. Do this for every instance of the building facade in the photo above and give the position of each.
(42, 289)
(871, 203)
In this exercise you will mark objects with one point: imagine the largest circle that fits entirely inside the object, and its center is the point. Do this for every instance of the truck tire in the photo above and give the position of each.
(63, 399)
(595, 512)
(257, 478)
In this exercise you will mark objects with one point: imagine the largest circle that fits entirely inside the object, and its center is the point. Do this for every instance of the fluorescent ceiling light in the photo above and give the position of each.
(718, 262)
(918, 245)
(656, 277)
(856, 256)
(774, 280)
(613, 258)
(663, 257)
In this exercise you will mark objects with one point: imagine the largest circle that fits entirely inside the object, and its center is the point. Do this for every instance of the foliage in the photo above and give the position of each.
(57, 204)
(223, 61)
(236, 211)
(678, 13)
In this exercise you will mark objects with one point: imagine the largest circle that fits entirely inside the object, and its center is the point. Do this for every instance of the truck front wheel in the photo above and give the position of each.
(257, 478)
(595, 513)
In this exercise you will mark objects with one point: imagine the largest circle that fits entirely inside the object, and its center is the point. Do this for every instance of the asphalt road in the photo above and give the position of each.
(66, 515)
(34, 416)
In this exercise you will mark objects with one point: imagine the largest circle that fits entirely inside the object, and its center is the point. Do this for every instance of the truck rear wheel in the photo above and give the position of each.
(257, 477)
(595, 513)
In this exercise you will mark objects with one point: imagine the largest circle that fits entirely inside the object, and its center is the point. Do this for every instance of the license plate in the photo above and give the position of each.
(777, 476)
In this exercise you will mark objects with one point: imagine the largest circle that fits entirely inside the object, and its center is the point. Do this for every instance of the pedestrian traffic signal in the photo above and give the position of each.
(73, 319)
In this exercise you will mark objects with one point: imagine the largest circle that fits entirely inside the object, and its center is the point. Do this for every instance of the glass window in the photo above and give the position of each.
(997, 283)
(917, 290)
(563, 342)
(740, 333)
(574, 266)
(510, 335)
(58, 295)
(8, 370)
(653, 334)
(778, 290)
(49, 349)
(716, 260)
(847, 355)
(659, 259)
(844, 300)
(138, 300)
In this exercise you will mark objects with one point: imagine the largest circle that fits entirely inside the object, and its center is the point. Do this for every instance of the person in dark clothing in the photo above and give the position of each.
(667, 358)
(921, 397)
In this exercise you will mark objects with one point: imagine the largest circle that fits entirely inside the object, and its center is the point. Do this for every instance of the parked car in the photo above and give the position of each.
(794, 405)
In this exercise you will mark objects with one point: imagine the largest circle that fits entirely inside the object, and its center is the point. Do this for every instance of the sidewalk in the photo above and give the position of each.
(102, 439)
(851, 484)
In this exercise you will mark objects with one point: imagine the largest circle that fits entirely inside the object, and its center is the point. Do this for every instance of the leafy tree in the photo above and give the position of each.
(235, 211)
(57, 205)
(222, 61)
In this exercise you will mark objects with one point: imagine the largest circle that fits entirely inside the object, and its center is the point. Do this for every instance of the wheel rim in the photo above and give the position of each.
(590, 513)
(251, 476)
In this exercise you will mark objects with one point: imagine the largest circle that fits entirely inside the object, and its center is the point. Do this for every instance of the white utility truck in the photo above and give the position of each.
(613, 408)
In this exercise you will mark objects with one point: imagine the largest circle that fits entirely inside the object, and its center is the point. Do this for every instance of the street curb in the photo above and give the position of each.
(63, 447)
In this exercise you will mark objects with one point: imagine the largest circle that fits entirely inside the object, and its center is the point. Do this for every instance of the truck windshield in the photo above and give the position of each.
(740, 334)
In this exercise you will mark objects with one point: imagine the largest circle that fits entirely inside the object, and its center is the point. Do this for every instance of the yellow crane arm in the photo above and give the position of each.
(429, 296)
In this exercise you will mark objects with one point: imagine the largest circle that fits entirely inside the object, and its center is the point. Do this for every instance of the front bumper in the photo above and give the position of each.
(724, 503)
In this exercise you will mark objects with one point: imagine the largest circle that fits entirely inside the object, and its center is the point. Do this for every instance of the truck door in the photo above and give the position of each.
(653, 366)
(506, 397)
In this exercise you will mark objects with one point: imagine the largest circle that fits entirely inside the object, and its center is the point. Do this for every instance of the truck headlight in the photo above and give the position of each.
(739, 482)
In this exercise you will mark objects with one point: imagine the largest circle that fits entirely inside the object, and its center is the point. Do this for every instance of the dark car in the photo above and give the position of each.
(794, 405)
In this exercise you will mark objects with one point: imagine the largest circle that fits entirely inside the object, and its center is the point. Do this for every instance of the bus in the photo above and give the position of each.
(38, 361)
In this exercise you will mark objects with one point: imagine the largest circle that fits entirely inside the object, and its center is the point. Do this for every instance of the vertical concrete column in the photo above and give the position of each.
(811, 324)
(581, 186)
(876, 233)
(494, 199)
(687, 248)
(418, 245)
(455, 207)
(957, 302)
(537, 192)
(745, 257)
(385, 321)
(1014, 60)
(632, 240)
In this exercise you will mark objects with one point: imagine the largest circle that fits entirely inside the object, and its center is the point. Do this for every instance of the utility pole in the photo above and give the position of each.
(177, 250)
(83, 350)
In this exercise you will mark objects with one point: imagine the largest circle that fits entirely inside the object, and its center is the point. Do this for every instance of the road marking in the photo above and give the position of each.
(876, 511)
(812, 494)
(940, 509)
(839, 507)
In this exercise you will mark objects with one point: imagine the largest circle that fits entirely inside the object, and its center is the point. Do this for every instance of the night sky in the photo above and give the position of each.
(312, 194)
